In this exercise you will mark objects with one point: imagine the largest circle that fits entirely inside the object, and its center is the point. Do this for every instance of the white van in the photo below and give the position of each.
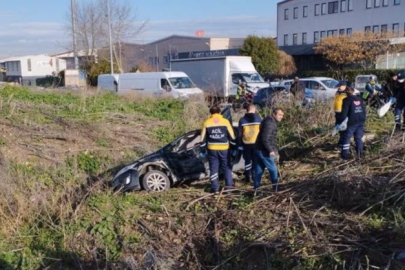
(175, 84)
(108, 82)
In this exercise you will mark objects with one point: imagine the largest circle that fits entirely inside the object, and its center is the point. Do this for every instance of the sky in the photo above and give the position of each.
(37, 26)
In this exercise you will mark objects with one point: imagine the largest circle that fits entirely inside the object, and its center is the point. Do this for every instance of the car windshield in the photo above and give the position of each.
(252, 77)
(330, 83)
(181, 82)
(185, 142)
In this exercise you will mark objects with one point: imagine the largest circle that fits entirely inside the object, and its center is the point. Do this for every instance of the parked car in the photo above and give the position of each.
(271, 96)
(286, 84)
(322, 87)
(176, 162)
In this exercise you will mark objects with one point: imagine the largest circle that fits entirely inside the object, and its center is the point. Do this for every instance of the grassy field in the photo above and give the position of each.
(60, 149)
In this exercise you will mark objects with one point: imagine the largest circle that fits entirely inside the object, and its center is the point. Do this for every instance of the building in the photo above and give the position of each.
(82, 57)
(301, 24)
(26, 69)
(157, 54)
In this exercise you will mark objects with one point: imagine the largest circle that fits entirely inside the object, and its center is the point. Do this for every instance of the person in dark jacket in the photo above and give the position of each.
(216, 135)
(399, 93)
(298, 89)
(353, 108)
(266, 149)
(249, 126)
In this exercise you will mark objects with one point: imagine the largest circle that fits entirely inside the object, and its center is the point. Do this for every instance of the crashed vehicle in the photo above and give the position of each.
(177, 162)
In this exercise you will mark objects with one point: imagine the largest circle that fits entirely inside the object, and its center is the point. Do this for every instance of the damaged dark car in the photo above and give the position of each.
(177, 162)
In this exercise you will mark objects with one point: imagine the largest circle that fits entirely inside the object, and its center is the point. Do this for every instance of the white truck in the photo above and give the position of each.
(175, 84)
(220, 76)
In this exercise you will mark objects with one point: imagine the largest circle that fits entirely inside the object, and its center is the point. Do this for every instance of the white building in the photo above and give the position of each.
(26, 69)
(302, 23)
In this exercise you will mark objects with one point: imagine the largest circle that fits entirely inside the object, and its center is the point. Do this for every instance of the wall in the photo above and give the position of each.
(356, 19)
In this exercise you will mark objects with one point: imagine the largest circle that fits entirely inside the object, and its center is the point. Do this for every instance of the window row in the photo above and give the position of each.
(321, 9)
(317, 36)
(383, 29)
(380, 3)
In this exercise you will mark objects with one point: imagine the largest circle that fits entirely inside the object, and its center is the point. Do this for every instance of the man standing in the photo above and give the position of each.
(216, 134)
(298, 89)
(266, 149)
(399, 93)
(354, 109)
(337, 106)
(249, 127)
(241, 91)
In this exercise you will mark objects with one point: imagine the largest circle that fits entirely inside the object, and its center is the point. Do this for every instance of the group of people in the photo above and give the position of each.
(257, 140)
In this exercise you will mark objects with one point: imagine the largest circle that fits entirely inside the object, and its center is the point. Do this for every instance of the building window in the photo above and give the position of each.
(323, 34)
(285, 40)
(295, 39)
(395, 29)
(330, 33)
(349, 31)
(29, 64)
(397, 2)
(317, 8)
(295, 13)
(384, 28)
(349, 5)
(385, 3)
(367, 29)
(369, 4)
(335, 32)
(343, 6)
(304, 38)
(286, 14)
(376, 29)
(333, 7)
(323, 9)
(305, 11)
(17, 66)
(342, 32)
(377, 3)
(165, 59)
(316, 37)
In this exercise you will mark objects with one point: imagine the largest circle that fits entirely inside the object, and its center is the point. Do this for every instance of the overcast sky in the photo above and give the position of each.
(36, 26)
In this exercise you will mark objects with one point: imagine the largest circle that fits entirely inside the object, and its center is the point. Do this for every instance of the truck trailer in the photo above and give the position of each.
(220, 76)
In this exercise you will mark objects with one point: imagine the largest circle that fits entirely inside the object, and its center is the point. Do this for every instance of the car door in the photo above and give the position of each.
(318, 91)
(184, 155)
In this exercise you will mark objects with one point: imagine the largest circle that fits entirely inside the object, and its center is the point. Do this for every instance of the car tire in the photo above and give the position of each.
(155, 181)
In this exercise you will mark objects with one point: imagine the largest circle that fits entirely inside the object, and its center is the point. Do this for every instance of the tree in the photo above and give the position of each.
(263, 52)
(143, 67)
(102, 67)
(92, 32)
(286, 65)
(359, 48)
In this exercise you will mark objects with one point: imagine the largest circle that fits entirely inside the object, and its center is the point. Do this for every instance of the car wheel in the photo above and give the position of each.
(155, 181)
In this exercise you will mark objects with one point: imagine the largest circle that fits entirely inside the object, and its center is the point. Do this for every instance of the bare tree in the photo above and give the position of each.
(92, 28)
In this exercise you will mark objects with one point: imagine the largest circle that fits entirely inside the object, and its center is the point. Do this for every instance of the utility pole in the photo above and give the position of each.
(73, 8)
(157, 59)
(109, 30)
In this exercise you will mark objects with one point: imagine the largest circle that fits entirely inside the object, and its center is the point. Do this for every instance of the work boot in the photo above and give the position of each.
(397, 127)
(247, 178)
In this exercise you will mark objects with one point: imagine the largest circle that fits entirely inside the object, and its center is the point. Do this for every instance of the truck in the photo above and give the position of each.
(175, 84)
(220, 76)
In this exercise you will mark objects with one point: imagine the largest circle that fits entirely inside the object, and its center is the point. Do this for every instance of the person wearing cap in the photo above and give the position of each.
(353, 108)
(242, 90)
(337, 106)
(399, 94)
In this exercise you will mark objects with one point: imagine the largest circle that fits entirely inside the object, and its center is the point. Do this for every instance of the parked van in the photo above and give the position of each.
(108, 82)
(175, 84)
